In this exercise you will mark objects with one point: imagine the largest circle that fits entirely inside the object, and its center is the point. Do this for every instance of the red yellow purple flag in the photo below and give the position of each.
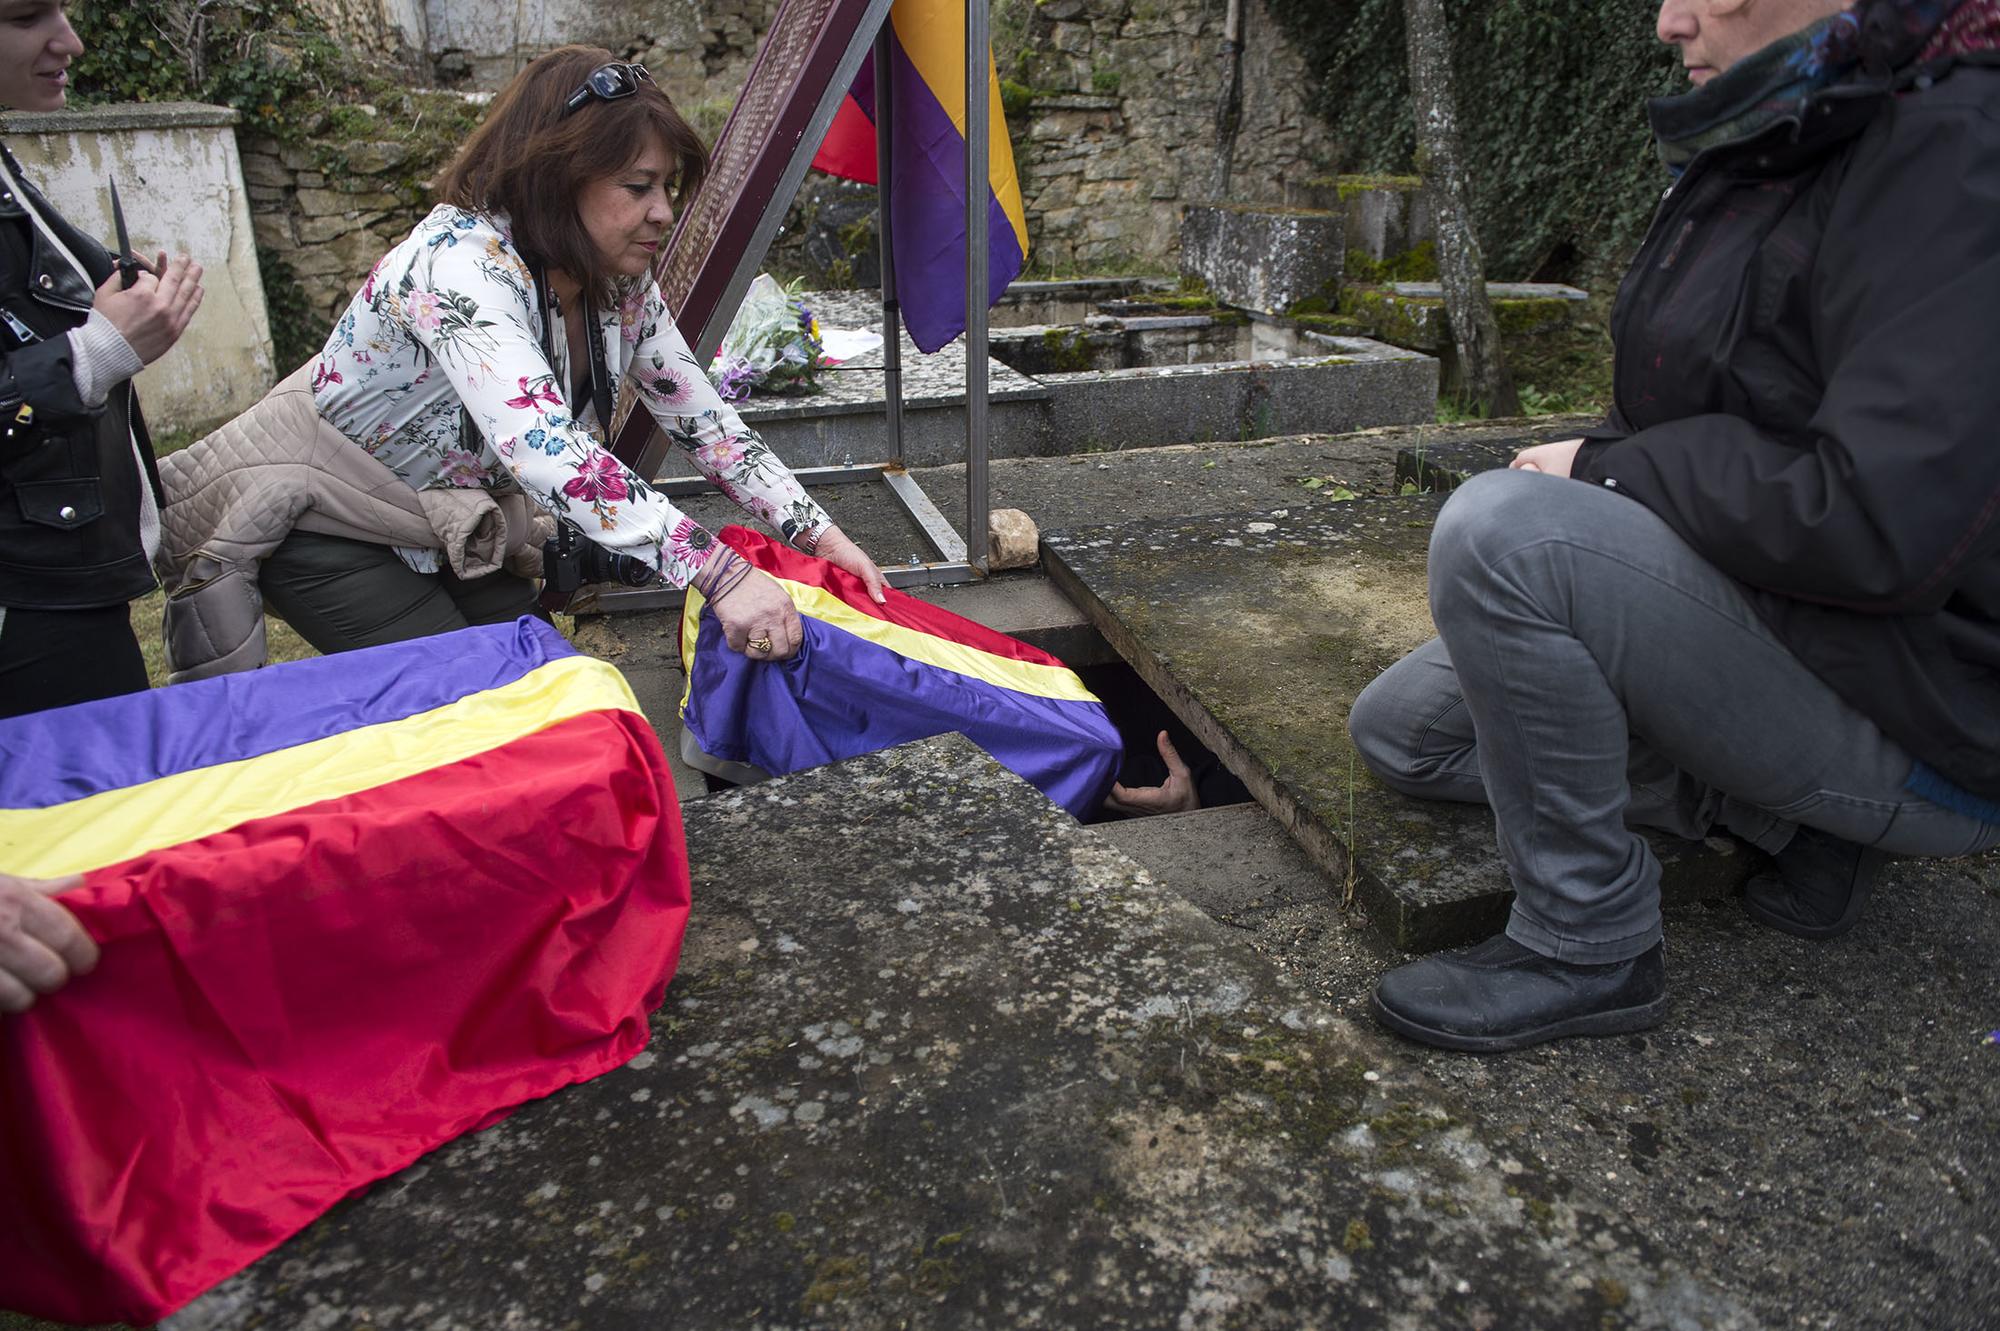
(349, 909)
(869, 676)
(927, 159)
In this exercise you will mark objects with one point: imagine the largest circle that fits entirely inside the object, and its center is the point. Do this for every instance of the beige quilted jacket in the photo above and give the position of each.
(234, 496)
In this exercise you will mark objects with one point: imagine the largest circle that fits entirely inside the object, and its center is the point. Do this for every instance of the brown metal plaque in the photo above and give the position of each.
(802, 71)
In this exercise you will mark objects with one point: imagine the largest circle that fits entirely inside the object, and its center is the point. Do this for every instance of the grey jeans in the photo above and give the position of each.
(1592, 672)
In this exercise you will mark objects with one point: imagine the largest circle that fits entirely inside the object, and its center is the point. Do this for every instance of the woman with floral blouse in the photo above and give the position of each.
(462, 362)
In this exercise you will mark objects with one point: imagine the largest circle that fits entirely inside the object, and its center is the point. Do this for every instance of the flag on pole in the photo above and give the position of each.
(869, 676)
(349, 909)
(927, 157)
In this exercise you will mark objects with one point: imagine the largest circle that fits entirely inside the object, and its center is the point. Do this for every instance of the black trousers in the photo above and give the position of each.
(342, 594)
(52, 658)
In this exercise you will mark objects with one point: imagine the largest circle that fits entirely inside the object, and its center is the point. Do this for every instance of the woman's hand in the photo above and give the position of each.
(758, 619)
(152, 314)
(1556, 459)
(41, 944)
(836, 549)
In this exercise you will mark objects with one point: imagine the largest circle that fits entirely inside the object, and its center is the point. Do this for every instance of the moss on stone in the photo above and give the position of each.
(1346, 187)
(1258, 1085)
(1407, 1124)
(1064, 351)
(835, 1279)
(1358, 1238)
(1403, 321)
(1416, 264)
(1540, 314)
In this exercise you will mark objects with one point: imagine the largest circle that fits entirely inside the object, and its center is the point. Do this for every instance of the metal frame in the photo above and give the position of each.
(950, 566)
(959, 559)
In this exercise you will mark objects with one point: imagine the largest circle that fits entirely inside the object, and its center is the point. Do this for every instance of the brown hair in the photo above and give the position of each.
(530, 161)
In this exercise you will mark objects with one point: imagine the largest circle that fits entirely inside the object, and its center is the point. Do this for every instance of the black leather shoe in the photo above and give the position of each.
(1500, 995)
(1817, 885)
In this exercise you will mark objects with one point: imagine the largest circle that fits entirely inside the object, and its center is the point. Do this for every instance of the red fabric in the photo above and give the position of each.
(848, 151)
(290, 1010)
(781, 561)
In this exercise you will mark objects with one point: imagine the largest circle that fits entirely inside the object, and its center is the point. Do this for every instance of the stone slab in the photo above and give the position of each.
(976, 1069)
(1259, 630)
(1263, 259)
(1497, 291)
(1342, 383)
(1387, 216)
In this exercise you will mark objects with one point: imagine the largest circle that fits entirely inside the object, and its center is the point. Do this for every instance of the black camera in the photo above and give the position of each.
(571, 560)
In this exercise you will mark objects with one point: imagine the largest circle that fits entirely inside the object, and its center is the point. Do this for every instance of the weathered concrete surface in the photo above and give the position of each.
(976, 1069)
(1266, 259)
(1446, 466)
(1259, 630)
(1815, 1128)
(1387, 216)
(1331, 384)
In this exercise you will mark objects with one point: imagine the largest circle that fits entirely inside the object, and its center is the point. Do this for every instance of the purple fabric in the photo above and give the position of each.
(67, 753)
(927, 206)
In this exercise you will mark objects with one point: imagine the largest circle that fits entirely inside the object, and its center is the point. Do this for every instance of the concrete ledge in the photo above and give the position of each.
(1263, 259)
(1259, 630)
(120, 115)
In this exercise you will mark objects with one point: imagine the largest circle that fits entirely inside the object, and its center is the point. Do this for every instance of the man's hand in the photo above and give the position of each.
(1556, 459)
(836, 549)
(1176, 796)
(152, 314)
(41, 944)
(758, 619)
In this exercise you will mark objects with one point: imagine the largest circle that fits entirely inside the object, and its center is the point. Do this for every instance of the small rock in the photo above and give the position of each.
(1012, 540)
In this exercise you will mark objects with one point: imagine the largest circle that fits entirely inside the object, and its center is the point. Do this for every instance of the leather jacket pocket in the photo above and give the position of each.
(64, 504)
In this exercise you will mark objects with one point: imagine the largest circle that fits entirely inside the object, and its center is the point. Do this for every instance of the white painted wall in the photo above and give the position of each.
(501, 35)
(182, 187)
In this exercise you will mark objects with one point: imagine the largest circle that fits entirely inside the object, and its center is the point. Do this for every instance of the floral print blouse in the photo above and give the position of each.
(450, 318)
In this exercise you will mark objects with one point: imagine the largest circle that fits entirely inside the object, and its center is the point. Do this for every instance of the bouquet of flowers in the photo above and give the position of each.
(773, 345)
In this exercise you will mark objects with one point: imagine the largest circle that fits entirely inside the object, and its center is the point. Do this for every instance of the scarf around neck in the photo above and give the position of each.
(1875, 37)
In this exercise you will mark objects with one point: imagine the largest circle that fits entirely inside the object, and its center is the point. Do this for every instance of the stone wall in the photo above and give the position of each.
(1115, 119)
(328, 231)
(395, 30)
(1125, 129)
(181, 187)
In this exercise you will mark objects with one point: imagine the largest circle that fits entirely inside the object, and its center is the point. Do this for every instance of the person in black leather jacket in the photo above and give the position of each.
(1765, 596)
(78, 499)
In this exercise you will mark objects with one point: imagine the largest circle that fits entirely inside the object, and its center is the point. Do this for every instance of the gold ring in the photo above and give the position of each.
(759, 644)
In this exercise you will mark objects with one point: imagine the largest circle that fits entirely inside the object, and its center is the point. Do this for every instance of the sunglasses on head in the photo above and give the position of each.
(608, 83)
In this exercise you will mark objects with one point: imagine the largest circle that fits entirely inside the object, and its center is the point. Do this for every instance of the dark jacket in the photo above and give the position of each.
(1808, 391)
(69, 481)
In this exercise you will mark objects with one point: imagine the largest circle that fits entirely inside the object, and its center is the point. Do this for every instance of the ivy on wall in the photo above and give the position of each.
(272, 60)
(1551, 103)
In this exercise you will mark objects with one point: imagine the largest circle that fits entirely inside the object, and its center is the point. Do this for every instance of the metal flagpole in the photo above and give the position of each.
(892, 314)
(977, 191)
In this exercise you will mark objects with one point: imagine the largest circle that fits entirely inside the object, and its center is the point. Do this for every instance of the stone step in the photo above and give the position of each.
(1259, 630)
(938, 1057)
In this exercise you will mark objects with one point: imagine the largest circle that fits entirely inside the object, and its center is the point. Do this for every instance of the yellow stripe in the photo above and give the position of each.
(115, 825)
(1042, 681)
(932, 35)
